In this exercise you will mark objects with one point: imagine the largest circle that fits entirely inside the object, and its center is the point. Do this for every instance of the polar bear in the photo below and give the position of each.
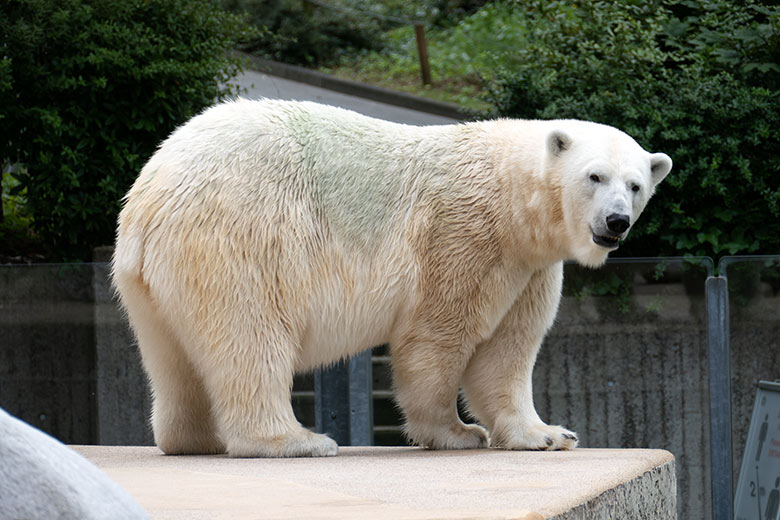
(269, 237)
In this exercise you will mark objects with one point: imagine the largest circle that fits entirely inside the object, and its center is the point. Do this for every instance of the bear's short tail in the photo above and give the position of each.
(127, 268)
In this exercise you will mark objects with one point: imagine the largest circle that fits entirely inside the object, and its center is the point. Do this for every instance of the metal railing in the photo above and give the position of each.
(719, 332)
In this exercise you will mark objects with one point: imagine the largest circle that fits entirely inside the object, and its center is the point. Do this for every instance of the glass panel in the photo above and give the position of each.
(69, 364)
(124, 400)
(47, 349)
(754, 310)
(625, 365)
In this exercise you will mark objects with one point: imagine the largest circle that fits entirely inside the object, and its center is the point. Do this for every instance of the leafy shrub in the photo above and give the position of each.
(671, 82)
(88, 88)
(743, 39)
(438, 13)
(19, 242)
(458, 53)
(307, 33)
(320, 33)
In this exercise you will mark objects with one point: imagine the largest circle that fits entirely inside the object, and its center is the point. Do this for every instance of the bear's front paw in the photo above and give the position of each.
(535, 437)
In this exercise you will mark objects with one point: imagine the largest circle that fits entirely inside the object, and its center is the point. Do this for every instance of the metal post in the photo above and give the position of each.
(343, 406)
(720, 396)
(361, 402)
(422, 51)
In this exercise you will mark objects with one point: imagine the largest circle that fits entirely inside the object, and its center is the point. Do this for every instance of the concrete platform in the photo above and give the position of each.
(398, 483)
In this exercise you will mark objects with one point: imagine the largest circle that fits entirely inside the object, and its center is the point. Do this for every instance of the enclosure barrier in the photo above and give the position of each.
(654, 352)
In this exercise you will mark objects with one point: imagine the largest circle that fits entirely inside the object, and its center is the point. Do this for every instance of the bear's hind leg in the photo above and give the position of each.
(250, 381)
(426, 375)
(181, 411)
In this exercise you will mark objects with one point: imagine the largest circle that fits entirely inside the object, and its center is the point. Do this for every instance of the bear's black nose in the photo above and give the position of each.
(618, 223)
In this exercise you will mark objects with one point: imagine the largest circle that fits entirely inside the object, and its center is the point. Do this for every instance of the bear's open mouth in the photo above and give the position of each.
(608, 241)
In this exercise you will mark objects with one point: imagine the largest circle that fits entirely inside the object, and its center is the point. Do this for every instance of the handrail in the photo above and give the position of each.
(725, 261)
(706, 261)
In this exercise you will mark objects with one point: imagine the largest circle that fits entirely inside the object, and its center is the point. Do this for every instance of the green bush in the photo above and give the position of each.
(19, 242)
(740, 38)
(438, 13)
(88, 89)
(667, 76)
(320, 33)
(307, 33)
(459, 52)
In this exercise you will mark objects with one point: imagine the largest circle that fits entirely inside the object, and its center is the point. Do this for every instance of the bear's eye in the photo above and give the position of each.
(595, 178)
(635, 188)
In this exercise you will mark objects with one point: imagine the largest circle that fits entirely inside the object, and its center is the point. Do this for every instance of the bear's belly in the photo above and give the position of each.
(360, 307)
(343, 327)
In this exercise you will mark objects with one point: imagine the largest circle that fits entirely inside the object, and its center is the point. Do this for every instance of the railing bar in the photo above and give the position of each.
(720, 396)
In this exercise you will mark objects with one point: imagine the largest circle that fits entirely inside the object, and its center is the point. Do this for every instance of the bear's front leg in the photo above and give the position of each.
(497, 382)
(426, 373)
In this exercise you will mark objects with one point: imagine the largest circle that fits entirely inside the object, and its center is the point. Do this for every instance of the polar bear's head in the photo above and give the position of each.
(606, 180)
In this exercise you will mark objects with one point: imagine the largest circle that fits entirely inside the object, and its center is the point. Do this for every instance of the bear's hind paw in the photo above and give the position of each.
(297, 444)
(458, 437)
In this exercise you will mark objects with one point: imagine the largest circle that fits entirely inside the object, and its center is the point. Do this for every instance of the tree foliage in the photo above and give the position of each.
(322, 32)
(88, 89)
(697, 80)
(309, 33)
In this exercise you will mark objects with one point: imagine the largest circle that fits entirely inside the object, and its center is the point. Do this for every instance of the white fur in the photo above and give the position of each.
(269, 237)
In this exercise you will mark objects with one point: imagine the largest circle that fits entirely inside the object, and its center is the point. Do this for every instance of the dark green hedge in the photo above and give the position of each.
(320, 32)
(88, 89)
(309, 33)
(696, 80)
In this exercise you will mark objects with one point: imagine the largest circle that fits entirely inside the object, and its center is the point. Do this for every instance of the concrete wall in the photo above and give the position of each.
(624, 372)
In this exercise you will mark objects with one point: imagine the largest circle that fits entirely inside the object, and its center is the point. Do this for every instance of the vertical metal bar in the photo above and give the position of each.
(422, 52)
(331, 402)
(343, 406)
(361, 406)
(720, 396)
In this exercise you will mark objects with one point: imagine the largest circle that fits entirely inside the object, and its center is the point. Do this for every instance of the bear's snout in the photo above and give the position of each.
(618, 223)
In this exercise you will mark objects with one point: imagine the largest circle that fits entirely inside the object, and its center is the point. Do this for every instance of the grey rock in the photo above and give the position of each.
(41, 478)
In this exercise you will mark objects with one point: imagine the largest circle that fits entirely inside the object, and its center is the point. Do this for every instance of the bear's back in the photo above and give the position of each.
(354, 171)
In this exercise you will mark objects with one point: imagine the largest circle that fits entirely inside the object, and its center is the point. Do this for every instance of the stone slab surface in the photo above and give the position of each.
(398, 483)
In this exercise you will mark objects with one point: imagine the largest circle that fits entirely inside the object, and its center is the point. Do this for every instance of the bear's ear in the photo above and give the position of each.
(660, 166)
(558, 142)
